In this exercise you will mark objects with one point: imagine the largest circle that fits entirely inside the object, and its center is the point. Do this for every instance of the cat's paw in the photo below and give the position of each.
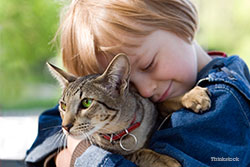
(146, 157)
(197, 99)
(166, 161)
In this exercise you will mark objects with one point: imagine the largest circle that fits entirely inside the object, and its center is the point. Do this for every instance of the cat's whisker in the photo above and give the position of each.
(56, 140)
(64, 141)
(59, 132)
(89, 139)
(59, 136)
(61, 140)
(57, 126)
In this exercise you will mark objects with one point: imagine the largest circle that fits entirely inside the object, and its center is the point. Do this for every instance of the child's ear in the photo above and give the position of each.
(62, 77)
(117, 74)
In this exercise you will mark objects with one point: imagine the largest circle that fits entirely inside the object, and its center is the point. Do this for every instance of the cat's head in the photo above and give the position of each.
(91, 103)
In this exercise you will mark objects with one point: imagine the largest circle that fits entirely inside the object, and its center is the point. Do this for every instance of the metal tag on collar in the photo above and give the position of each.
(111, 138)
(128, 134)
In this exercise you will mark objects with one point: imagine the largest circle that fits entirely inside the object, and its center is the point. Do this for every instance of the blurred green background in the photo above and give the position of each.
(27, 28)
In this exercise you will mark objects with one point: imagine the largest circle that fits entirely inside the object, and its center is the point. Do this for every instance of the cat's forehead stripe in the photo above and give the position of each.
(78, 84)
(80, 96)
(79, 87)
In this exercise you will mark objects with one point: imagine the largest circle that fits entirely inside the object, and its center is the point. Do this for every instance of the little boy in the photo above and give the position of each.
(166, 61)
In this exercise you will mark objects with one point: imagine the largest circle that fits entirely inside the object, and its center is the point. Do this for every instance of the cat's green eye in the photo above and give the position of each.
(86, 102)
(63, 106)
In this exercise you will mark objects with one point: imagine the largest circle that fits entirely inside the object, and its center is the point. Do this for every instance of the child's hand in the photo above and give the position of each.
(64, 157)
(72, 143)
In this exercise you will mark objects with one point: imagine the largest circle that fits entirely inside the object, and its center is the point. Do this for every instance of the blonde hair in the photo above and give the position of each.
(91, 28)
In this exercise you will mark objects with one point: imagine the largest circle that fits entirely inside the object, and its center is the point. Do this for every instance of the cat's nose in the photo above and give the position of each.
(67, 127)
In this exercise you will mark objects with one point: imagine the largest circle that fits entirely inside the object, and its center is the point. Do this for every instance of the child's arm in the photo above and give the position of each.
(95, 156)
(81, 153)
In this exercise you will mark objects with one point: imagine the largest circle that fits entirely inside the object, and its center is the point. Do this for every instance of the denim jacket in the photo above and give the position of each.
(219, 137)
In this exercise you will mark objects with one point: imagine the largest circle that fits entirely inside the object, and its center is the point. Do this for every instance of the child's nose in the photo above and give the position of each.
(146, 88)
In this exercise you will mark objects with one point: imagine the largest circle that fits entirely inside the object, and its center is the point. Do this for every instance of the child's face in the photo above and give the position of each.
(164, 66)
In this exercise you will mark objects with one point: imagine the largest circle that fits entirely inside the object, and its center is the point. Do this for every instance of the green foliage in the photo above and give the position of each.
(26, 28)
(225, 26)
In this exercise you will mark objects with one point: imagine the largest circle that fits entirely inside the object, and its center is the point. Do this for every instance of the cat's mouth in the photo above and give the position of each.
(80, 130)
(86, 130)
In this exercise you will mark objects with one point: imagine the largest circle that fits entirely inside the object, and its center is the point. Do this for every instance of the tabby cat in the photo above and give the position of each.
(106, 111)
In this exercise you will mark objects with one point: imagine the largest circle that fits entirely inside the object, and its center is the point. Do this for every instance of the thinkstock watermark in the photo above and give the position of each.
(224, 159)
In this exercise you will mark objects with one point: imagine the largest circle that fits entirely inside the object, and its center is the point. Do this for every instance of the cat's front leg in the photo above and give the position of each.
(197, 99)
(149, 158)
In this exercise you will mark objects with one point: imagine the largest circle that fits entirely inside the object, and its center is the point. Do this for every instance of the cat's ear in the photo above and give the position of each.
(117, 74)
(62, 77)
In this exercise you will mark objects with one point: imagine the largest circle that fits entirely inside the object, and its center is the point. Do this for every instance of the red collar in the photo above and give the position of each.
(216, 53)
(114, 137)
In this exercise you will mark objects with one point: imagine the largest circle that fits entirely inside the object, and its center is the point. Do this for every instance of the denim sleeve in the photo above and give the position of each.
(218, 138)
(44, 144)
(95, 156)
